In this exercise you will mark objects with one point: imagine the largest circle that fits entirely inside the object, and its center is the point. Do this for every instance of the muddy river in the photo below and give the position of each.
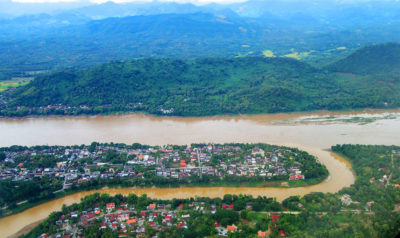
(313, 132)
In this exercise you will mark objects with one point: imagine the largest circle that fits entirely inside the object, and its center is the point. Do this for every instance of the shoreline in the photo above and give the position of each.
(26, 229)
(285, 184)
(355, 111)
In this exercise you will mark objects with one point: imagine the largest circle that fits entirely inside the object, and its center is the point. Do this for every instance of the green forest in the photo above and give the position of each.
(211, 86)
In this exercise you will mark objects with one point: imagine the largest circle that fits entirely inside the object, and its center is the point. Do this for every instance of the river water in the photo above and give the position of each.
(313, 132)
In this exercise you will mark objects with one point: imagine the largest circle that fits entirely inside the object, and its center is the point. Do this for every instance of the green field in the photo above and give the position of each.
(14, 82)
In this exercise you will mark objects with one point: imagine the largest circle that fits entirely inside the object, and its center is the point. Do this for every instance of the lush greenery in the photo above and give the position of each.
(200, 87)
(373, 210)
(32, 191)
(371, 60)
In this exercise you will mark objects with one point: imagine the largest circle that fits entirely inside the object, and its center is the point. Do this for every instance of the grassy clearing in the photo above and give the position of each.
(14, 82)
(268, 54)
(256, 216)
(294, 55)
(298, 56)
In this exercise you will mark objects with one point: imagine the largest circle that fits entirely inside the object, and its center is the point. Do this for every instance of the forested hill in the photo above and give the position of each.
(374, 59)
(198, 87)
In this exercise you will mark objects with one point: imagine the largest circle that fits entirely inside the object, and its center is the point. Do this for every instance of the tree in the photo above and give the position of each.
(2, 156)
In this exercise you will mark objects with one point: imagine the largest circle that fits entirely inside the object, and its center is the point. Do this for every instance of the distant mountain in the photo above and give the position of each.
(111, 9)
(84, 34)
(86, 44)
(177, 26)
(104, 10)
(200, 87)
(374, 59)
(10, 8)
(326, 12)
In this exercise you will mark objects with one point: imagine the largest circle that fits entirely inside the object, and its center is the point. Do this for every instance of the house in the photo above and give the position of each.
(123, 217)
(262, 234)
(168, 218)
(275, 218)
(346, 199)
(249, 205)
(183, 163)
(296, 177)
(110, 206)
(231, 228)
(131, 221)
(181, 225)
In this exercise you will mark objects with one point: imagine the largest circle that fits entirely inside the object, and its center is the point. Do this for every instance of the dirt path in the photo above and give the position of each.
(390, 176)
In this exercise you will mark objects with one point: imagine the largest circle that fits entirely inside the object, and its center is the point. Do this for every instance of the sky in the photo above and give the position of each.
(121, 1)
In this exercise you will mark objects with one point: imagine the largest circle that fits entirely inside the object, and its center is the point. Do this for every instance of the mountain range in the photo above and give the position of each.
(54, 36)
(212, 86)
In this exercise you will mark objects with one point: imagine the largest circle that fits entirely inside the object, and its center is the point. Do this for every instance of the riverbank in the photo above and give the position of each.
(262, 184)
(26, 229)
(278, 115)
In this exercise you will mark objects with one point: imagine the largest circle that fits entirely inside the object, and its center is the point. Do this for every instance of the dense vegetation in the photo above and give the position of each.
(17, 191)
(200, 87)
(372, 210)
(371, 60)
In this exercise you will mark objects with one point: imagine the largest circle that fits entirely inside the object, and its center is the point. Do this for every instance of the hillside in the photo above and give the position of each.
(374, 59)
(198, 87)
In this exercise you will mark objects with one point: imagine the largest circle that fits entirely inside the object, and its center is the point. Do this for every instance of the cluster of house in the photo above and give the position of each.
(167, 162)
(59, 108)
(125, 220)
(383, 179)
(167, 111)
(199, 162)
(66, 109)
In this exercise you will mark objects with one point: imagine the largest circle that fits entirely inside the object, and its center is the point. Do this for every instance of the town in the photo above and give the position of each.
(32, 174)
(239, 215)
(134, 216)
(77, 164)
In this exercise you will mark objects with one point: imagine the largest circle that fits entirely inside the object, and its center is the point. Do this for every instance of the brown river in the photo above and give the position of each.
(312, 132)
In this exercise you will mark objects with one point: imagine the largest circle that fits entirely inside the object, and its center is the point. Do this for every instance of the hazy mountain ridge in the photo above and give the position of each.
(84, 35)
